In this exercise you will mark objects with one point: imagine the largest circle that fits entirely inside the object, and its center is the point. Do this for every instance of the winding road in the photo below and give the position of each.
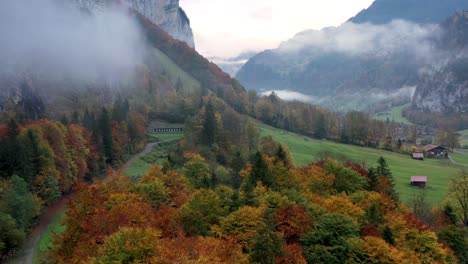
(27, 253)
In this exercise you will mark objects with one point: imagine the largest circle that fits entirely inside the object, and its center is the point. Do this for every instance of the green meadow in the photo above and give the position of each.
(464, 138)
(394, 114)
(305, 151)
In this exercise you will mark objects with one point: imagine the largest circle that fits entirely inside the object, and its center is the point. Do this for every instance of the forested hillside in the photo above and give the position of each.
(223, 193)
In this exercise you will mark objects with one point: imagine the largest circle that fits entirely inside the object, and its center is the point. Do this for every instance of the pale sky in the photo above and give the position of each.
(226, 28)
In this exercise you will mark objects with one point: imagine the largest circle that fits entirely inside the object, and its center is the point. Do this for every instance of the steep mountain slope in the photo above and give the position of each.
(428, 11)
(444, 88)
(337, 66)
(170, 74)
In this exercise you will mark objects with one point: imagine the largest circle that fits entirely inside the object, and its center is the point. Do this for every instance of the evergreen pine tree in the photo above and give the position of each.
(13, 154)
(388, 235)
(29, 164)
(260, 171)
(266, 246)
(237, 165)
(373, 179)
(106, 130)
(383, 170)
(282, 155)
(450, 214)
(64, 120)
(209, 126)
(75, 117)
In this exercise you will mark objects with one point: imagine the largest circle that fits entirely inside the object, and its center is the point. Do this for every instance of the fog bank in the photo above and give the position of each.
(57, 40)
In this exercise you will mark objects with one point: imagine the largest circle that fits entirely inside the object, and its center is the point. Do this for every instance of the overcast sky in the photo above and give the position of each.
(226, 28)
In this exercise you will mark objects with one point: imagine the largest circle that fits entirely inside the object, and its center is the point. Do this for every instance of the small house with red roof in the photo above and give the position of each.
(419, 181)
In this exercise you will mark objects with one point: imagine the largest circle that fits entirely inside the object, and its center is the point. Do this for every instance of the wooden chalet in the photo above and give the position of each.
(418, 156)
(435, 150)
(419, 181)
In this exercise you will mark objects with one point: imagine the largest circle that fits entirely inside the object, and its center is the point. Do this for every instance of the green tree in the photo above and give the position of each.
(209, 125)
(260, 172)
(346, 180)
(237, 164)
(457, 239)
(449, 212)
(383, 170)
(388, 236)
(458, 192)
(11, 236)
(9, 151)
(106, 132)
(327, 241)
(198, 172)
(373, 179)
(29, 162)
(19, 203)
(202, 211)
(130, 245)
(266, 246)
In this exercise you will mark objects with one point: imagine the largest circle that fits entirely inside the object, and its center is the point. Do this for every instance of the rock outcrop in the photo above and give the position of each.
(444, 88)
(168, 15)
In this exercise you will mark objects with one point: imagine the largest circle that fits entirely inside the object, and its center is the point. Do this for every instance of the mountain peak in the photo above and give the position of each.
(418, 11)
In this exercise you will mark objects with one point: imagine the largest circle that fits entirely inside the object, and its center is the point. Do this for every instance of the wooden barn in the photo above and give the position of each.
(435, 150)
(418, 156)
(419, 181)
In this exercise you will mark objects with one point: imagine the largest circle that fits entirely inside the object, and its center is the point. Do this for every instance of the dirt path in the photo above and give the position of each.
(451, 160)
(27, 253)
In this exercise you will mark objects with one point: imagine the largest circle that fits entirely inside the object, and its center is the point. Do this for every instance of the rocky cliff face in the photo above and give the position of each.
(168, 15)
(444, 88)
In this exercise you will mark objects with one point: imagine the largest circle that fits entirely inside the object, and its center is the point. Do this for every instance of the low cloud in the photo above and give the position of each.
(288, 95)
(361, 39)
(404, 92)
(54, 39)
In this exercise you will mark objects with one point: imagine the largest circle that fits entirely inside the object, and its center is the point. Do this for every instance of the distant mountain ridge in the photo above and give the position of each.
(367, 55)
(426, 11)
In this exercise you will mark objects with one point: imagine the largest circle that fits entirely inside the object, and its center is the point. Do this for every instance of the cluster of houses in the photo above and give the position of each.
(431, 151)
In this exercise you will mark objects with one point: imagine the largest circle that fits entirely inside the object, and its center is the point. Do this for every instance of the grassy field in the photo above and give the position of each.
(464, 137)
(394, 114)
(46, 239)
(137, 168)
(158, 137)
(402, 166)
(174, 72)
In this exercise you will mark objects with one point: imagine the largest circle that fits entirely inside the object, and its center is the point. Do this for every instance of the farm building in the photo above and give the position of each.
(419, 181)
(169, 130)
(418, 156)
(435, 150)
